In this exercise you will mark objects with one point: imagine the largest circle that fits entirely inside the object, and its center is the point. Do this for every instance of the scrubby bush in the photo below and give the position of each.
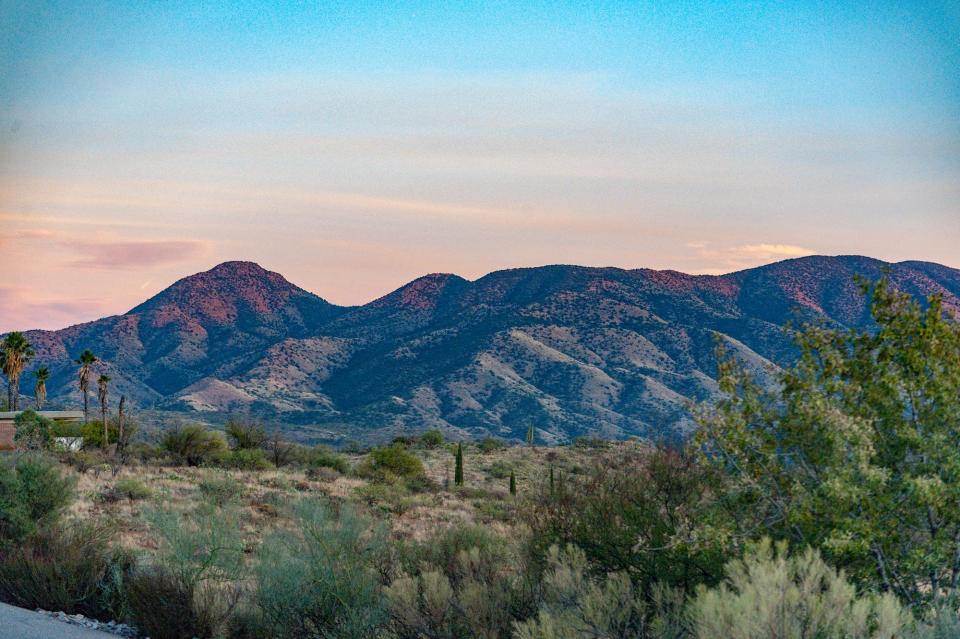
(245, 435)
(221, 489)
(280, 451)
(575, 605)
(192, 585)
(390, 462)
(771, 595)
(490, 444)
(33, 493)
(243, 459)
(464, 582)
(656, 497)
(324, 457)
(69, 568)
(132, 489)
(193, 444)
(33, 431)
(431, 439)
(84, 460)
(319, 580)
(92, 433)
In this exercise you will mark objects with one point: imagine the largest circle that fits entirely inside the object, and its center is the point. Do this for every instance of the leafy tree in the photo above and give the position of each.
(245, 435)
(857, 454)
(86, 360)
(15, 353)
(458, 467)
(33, 432)
(432, 439)
(42, 374)
(192, 444)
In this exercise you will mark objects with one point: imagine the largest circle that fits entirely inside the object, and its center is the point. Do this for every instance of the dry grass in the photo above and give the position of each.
(266, 495)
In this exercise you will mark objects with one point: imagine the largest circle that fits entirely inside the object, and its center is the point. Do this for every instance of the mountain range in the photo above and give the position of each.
(570, 350)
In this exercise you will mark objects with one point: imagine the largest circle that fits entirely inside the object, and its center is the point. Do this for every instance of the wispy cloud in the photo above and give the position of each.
(134, 254)
(720, 260)
(25, 309)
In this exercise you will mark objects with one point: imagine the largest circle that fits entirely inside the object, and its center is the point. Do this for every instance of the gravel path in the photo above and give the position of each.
(19, 623)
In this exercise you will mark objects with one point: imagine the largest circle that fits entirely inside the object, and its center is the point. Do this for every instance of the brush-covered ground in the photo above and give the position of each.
(414, 510)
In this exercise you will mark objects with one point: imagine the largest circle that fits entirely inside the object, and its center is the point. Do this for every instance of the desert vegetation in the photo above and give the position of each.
(824, 508)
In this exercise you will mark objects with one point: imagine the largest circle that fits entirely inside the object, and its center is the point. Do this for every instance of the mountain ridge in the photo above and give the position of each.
(573, 350)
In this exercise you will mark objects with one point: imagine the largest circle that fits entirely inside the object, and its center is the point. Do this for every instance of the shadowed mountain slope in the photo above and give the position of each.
(572, 350)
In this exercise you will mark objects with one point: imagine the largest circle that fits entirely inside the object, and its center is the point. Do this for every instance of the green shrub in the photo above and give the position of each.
(192, 585)
(431, 439)
(132, 489)
(92, 433)
(319, 580)
(499, 470)
(193, 444)
(575, 605)
(243, 459)
(324, 457)
(68, 429)
(390, 462)
(67, 568)
(770, 595)
(490, 444)
(245, 435)
(634, 488)
(33, 493)
(463, 582)
(33, 431)
(221, 490)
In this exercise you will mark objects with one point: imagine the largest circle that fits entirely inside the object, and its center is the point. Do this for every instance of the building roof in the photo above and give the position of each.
(49, 414)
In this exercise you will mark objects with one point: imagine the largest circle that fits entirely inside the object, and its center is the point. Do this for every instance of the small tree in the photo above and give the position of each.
(458, 468)
(245, 435)
(34, 432)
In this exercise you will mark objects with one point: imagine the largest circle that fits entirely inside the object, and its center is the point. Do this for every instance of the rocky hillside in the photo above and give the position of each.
(572, 350)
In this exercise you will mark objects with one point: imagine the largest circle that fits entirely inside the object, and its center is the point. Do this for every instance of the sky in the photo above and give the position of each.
(354, 146)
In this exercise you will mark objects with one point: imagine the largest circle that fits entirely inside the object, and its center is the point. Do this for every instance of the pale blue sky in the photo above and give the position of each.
(354, 146)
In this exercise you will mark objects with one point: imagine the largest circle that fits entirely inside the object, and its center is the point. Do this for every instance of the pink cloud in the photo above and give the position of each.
(133, 254)
(24, 309)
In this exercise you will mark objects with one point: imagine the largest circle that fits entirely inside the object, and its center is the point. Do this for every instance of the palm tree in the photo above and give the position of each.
(40, 390)
(87, 359)
(16, 352)
(102, 395)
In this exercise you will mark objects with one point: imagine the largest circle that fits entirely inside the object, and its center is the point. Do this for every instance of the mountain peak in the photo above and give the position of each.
(226, 291)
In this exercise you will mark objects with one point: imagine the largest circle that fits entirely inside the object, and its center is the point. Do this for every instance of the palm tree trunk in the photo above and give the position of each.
(106, 433)
(120, 423)
(16, 392)
(86, 409)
